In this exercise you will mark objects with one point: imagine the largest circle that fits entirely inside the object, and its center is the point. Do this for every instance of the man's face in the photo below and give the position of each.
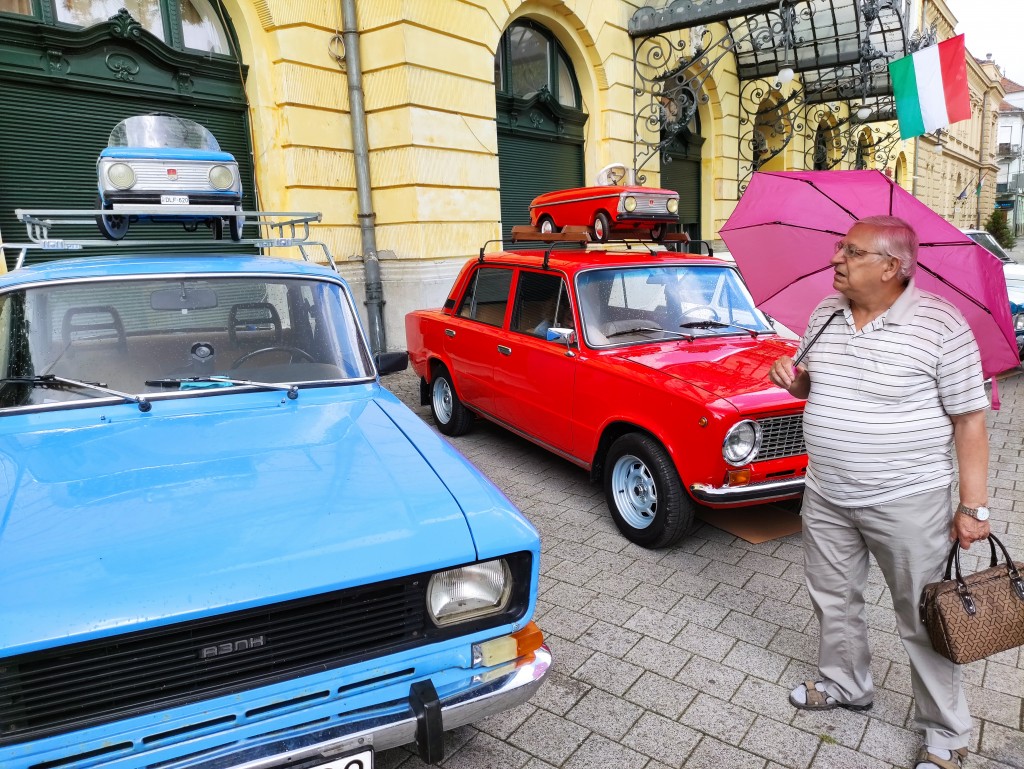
(860, 265)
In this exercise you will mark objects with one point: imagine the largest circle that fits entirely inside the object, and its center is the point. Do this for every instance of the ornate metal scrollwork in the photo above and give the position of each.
(670, 73)
(839, 95)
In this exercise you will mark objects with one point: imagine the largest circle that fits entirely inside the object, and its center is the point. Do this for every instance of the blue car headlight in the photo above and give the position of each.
(121, 176)
(1018, 322)
(469, 592)
(221, 178)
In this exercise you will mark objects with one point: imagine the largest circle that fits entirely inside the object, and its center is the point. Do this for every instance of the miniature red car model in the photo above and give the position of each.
(609, 208)
(648, 369)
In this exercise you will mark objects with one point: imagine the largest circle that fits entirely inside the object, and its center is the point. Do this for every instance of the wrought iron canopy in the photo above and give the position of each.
(840, 48)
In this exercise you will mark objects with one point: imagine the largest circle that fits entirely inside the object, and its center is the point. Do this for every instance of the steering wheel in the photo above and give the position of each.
(611, 175)
(709, 312)
(276, 348)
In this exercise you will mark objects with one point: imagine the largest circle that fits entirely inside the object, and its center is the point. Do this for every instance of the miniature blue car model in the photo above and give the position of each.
(162, 168)
(223, 543)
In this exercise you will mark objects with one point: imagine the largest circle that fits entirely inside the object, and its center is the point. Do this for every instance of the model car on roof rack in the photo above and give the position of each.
(224, 543)
(612, 210)
(645, 367)
(171, 162)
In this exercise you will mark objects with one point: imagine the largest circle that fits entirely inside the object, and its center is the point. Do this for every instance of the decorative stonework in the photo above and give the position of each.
(124, 25)
(56, 63)
(123, 66)
(183, 82)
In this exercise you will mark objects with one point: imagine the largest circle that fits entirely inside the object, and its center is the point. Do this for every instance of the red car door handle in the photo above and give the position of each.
(504, 350)
(449, 332)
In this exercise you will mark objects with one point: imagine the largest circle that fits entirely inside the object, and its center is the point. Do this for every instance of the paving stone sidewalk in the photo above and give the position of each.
(684, 657)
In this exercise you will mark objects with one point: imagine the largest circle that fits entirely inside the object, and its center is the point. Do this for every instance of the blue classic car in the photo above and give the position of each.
(164, 168)
(223, 543)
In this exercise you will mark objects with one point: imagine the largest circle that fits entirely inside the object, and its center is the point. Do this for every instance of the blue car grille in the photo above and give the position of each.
(69, 687)
(781, 437)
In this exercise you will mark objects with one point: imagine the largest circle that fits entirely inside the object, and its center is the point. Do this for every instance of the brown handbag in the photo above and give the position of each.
(973, 617)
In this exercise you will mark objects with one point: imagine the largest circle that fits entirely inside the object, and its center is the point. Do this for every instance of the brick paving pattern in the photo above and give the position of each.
(684, 657)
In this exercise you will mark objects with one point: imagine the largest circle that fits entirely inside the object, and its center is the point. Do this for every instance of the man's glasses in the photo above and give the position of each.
(850, 251)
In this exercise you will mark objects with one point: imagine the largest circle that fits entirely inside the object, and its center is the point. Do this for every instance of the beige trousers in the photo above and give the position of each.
(909, 539)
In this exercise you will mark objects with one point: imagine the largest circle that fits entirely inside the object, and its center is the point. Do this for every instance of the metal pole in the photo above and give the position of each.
(981, 160)
(361, 150)
(917, 141)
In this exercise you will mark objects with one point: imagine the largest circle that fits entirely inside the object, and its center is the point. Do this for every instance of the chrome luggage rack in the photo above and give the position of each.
(275, 229)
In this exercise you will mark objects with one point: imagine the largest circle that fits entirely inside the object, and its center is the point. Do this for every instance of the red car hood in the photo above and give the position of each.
(733, 369)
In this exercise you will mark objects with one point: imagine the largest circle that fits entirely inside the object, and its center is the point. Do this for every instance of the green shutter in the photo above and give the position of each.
(528, 166)
(50, 137)
(683, 176)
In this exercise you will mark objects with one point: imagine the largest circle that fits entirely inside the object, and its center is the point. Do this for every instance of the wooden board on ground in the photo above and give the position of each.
(757, 524)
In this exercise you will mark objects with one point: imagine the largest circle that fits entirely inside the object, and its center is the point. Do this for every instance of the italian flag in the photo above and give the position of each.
(930, 87)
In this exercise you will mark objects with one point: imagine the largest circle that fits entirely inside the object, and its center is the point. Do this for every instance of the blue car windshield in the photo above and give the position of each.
(635, 305)
(175, 335)
(159, 131)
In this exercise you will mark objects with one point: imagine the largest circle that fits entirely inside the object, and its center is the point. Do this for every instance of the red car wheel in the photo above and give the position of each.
(602, 226)
(547, 225)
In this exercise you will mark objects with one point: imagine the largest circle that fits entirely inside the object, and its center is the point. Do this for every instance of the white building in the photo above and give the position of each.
(1010, 155)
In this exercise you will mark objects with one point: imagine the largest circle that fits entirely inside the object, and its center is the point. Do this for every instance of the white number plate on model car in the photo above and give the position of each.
(174, 200)
(361, 760)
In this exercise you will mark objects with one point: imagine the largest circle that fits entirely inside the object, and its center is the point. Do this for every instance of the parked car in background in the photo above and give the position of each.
(1014, 273)
(224, 543)
(1015, 288)
(611, 209)
(644, 367)
(161, 168)
(984, 239)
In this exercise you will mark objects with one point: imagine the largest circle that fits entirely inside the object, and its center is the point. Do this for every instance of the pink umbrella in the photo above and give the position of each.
(783, 234)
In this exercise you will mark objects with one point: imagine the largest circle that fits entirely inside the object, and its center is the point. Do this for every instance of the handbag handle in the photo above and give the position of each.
(955, 553)
(961, 586)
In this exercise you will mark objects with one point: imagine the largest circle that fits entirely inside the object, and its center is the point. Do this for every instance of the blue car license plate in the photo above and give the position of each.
(174, 200)
(362, 759)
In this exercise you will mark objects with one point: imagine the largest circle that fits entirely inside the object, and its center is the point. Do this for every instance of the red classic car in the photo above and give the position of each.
(647, 369)
(609, 209)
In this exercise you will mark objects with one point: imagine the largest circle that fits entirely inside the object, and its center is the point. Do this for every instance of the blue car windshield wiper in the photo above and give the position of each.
(52, 380)
(186, 383)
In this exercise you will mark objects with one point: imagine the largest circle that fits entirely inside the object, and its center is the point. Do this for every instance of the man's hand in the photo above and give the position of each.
(968, 530)
(797, 382)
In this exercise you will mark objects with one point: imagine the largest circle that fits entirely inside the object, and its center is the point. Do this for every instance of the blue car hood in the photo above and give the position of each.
(116, 520)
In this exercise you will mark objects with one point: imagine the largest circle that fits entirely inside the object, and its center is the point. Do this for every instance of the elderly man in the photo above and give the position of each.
(891, 384)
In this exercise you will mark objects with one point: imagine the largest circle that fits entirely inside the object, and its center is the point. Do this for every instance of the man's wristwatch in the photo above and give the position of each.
(978, 513)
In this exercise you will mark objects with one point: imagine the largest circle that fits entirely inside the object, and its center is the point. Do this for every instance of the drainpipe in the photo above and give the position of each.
(917, 141)
(981, 160)
(361, 150)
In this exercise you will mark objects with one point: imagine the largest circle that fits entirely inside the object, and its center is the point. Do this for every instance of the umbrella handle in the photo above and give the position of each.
(803, 352)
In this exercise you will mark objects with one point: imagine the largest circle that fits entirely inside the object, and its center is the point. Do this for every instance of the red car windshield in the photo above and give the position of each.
(634, 305)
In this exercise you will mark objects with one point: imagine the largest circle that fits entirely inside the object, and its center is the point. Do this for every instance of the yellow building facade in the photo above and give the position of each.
(428, 77)
(434, 118)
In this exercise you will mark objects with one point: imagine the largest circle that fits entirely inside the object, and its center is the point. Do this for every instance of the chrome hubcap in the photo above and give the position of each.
(634, 491)
(442, 400)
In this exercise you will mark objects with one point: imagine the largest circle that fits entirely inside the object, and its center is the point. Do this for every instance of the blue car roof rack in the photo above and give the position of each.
(275, 229)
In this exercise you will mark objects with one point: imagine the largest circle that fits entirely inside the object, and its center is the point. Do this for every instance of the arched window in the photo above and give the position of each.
(540, 119)
(187, 25)
(528, 60)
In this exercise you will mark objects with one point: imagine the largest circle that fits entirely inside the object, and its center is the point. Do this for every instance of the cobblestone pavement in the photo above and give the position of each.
(684, 657)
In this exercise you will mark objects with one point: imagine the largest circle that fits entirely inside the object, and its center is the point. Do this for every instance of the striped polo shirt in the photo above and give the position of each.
(877, 423)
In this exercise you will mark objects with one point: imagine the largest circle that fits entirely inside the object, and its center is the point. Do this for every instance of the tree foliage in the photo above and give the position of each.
(1000, 230)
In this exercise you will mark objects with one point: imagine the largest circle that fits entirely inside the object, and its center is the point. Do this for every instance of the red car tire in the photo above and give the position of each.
(644, 493)
(450, 416)
(602, 227)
